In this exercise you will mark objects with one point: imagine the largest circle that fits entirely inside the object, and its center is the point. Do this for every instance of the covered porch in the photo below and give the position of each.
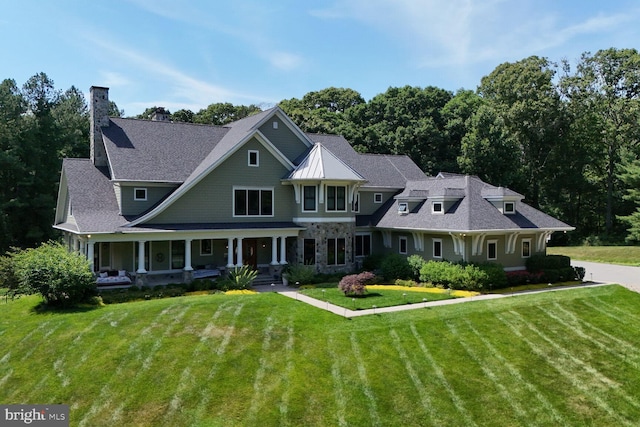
(149, 258)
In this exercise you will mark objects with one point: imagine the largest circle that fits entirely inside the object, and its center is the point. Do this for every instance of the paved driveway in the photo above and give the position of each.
(610, 273)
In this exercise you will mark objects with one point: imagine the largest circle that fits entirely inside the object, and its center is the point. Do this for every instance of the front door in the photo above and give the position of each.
(250, 252)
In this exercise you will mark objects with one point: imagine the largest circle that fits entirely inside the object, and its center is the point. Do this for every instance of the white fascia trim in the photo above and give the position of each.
(165, 235)
(183, 189)
(325, 219)
(132, 183)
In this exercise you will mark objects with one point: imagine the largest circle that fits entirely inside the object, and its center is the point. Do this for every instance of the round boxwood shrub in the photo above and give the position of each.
(395, 266)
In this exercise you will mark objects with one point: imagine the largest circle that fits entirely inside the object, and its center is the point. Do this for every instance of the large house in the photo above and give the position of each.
(164, 198)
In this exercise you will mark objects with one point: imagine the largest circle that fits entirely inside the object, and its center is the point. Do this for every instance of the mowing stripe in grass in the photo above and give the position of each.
(631, 354)
(205, 395)
(362, 372)
(425, 399)
(186, 376)
(505, 393)
(338, 381)
(561, 368)
(631, 351)
(567, 355)
(457, 401)
(258, 386)
(608, 309)
(104, 398)
(4, 379)
(518, 378)
(286, 378)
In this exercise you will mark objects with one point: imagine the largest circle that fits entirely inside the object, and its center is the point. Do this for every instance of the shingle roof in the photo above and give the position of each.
(92, 198)
(144, 150)
(472, 213)
(380, 170)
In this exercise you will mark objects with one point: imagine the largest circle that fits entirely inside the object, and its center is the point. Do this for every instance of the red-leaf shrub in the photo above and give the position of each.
(355, 284)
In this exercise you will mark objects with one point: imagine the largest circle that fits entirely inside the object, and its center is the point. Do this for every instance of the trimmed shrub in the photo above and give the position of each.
(542, 262)
(355, 284)
(496, 276)
(455, 276)
(523, 277)
(372, 262)
(579, 273)
(299, 273)
(416, 262)
(407, 283)
(395, 266)
(62, 278)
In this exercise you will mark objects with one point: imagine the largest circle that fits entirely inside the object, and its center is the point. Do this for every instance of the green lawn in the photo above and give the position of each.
(568, 358)
(625, 255)
(379, 298)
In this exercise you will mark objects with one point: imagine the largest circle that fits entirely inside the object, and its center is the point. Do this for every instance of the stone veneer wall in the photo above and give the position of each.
(321, 231)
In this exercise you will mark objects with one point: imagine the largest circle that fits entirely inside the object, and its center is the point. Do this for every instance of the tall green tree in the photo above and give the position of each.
(630, 176)
(524, 96)
(604, 93)
(71, 115)
(13, 108)
(322, 111)
(406, 120)
(223, 113)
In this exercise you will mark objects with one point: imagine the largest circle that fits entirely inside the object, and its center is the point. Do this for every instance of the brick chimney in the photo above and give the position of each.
(98, 118)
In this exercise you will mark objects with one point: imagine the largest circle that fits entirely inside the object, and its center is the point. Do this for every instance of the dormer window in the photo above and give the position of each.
(403, 208)
(377, 198)
(509, 208)
(436, 208)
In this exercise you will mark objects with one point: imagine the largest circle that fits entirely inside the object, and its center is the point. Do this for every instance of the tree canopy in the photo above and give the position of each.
(566, 138)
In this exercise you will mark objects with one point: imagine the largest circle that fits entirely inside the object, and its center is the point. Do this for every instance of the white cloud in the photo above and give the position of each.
(464, 32)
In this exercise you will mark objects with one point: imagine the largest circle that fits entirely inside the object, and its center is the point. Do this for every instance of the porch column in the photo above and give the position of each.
(90, 245)
(229, 252)
(239, 249)
(141, 268)
(274, 250)
(283, 250)
(187, 255)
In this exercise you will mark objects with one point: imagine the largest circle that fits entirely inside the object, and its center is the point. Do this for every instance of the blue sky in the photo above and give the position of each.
(189, 54)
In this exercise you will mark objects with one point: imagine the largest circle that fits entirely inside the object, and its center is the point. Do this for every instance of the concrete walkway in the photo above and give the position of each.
(345, 312)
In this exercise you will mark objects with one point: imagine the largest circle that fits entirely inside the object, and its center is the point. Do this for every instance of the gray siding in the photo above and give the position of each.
(367, 205)
(129, 206)
(211, 200)
(283, 138)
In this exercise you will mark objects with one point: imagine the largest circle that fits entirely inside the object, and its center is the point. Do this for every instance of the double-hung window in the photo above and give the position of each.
(309, 198)
(336, 251)
(336, 198)
(253, 202)
(363, 245)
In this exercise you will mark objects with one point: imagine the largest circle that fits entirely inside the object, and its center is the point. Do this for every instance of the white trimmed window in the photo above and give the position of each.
(526, 248)
(436, 208)
(253, 158)
(309, 198)
(437, 248)
(253, 202)
(509, 208)
(402, 245)
(403, 207)
(336, 200)
(492, 250)
(377, 197)
(140, 194)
